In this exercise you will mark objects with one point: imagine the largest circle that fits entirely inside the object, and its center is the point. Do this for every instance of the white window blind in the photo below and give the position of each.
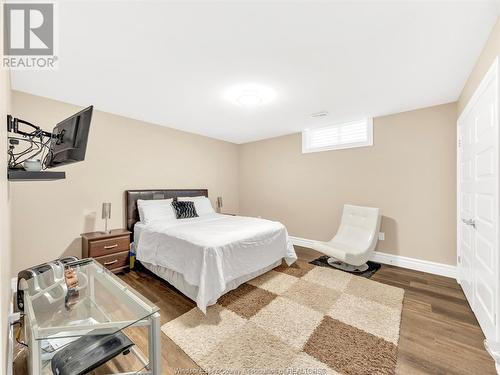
(339, 136)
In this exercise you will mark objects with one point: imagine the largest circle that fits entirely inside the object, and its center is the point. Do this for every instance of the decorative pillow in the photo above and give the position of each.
(202, 204)
(155, 210)
(184, 209)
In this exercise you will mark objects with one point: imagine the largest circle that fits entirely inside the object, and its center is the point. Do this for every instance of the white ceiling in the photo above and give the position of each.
(169, 63)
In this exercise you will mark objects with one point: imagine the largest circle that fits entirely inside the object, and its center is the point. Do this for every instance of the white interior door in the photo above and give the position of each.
(478, 202)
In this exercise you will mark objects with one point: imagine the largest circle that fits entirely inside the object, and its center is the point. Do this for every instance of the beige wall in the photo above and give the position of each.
(409, 173)
(122, 154)
(5, 250)
(490, 51)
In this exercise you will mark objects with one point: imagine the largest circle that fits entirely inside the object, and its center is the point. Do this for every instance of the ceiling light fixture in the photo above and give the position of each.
(249, 99)
(249, 94)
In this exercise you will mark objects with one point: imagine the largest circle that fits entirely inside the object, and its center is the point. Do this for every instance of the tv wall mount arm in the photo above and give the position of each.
(36, 145)
(13, 127)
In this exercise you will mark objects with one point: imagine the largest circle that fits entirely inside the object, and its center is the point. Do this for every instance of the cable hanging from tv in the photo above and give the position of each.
(34, 149)
(36, 146)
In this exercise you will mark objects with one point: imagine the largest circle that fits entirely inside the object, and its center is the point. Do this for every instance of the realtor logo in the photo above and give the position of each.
(28, 36)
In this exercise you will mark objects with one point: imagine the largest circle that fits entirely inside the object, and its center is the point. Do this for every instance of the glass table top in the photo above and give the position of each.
(80, 299)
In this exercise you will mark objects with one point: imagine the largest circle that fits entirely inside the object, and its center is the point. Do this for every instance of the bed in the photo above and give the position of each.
(205, 257)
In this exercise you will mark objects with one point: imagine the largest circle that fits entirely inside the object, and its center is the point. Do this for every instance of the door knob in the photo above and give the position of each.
(470, 222)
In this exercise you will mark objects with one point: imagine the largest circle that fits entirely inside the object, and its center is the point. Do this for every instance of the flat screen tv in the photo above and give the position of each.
(70, 143)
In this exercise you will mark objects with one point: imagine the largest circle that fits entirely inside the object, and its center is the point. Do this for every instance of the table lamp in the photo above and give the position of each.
(106, 214)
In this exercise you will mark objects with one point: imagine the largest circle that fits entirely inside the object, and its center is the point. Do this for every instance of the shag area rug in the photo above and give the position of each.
(373, 267)
(302, 319)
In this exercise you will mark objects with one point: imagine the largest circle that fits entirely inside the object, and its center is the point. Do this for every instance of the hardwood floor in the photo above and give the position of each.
(439, 333)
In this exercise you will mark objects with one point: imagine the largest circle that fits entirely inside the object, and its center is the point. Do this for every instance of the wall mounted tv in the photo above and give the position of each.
(70, 144)
(33, 150)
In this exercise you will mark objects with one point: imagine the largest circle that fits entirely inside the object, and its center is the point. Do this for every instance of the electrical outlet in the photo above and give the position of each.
(381, 236)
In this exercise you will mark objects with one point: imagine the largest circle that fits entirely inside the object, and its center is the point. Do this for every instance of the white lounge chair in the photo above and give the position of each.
(355, 240)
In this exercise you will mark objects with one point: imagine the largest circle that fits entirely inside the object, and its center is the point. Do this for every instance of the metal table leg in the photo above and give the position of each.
(154, 344)
(35, 356)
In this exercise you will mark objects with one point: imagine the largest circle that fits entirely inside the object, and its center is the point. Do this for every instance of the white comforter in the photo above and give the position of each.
(211, 250)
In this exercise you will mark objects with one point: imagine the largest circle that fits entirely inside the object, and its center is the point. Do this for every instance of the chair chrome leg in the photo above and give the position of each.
(346, 267)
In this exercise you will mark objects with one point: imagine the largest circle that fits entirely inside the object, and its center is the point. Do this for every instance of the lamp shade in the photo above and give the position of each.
(219, 202)
(106, 210)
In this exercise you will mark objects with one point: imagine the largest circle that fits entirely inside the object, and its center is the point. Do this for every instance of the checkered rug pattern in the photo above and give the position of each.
(302, 319)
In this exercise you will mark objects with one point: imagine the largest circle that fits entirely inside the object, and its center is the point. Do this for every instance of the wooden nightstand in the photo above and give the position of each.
(109, 249)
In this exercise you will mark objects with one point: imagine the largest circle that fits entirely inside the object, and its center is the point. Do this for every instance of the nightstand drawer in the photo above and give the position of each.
(109, 246)
(118, 260)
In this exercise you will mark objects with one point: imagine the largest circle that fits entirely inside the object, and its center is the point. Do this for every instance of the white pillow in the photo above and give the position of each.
(155, 210)
(202, 204)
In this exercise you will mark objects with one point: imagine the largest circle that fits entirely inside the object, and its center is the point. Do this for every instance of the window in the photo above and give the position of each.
(335, 137)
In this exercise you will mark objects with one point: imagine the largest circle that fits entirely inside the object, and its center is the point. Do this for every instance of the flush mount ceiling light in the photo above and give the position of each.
(249, 94)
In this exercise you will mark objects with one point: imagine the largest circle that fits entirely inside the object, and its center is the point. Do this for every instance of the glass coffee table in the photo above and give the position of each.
(98, 304)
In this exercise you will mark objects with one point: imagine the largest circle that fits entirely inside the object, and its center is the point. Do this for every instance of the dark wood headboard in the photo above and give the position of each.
(131, 197)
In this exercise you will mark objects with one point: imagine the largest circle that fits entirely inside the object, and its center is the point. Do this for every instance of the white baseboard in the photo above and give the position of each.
(398, 260)
(416, 264)
(304, 242)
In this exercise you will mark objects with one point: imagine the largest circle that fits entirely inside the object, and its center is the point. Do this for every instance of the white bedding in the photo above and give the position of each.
(213, 250)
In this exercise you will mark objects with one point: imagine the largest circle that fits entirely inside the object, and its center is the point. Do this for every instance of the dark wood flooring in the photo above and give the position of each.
(439, 333)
